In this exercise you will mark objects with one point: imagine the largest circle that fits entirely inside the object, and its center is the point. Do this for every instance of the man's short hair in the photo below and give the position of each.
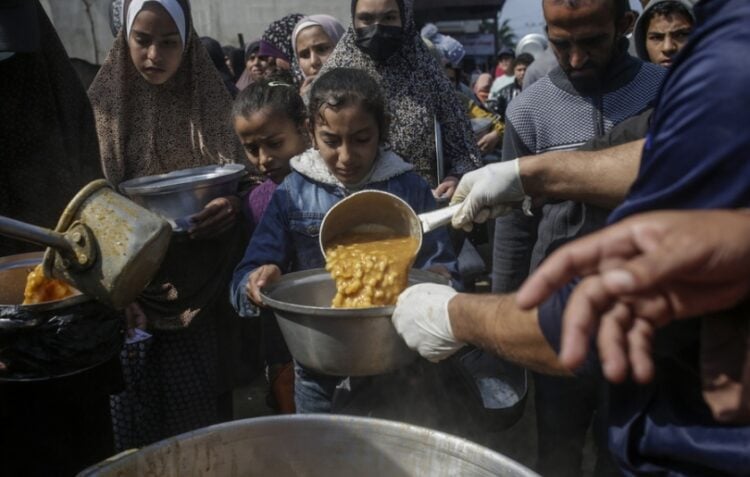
(667, 8)
(621, 6)
(523, 59)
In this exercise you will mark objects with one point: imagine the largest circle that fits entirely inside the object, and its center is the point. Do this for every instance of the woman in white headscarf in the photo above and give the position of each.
(314, 39)
(160, 105)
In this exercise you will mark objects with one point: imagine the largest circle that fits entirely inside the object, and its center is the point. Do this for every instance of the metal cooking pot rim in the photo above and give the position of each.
(380, 311)
(183, 179)
(449, 445)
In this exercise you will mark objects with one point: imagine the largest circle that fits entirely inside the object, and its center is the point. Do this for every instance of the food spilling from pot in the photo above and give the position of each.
(42, 289)
(104, 245)
(370, 269)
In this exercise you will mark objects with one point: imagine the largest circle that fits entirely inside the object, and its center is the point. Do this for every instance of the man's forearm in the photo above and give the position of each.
(601, 178)
(496, 324)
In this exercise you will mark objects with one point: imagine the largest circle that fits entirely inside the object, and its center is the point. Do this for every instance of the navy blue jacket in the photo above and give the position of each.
(697, 156)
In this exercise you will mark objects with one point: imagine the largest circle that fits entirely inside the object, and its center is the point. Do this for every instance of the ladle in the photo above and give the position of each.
(377, 211)
(105, 245)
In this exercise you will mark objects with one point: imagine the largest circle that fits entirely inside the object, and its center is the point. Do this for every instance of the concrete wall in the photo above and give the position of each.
(83, 25)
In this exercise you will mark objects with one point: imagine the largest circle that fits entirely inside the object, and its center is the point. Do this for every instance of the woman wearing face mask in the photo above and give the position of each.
(314, 39)
(384, 41)
(161, 106)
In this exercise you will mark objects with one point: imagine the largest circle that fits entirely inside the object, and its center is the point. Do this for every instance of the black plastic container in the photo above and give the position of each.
(62, 365)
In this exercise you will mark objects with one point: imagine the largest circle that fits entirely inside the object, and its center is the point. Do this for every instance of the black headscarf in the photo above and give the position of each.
(19, 29)
(216, 53)
(400, 4)
(48, 138)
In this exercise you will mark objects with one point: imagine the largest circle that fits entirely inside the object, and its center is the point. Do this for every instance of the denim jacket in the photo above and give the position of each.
(287, 235)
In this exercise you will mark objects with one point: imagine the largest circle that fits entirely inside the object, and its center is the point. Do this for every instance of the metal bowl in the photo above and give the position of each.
(178, 195)
(338, 341)
(312, 445)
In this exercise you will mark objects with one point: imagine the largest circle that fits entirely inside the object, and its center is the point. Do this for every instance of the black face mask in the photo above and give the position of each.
(379, 42)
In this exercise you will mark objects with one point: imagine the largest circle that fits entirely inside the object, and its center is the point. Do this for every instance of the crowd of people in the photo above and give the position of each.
(622, 114)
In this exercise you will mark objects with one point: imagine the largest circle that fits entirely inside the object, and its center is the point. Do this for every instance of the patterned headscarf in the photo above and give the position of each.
(276, 41)
(279, 35)
(417, 91)
(48, 138)
(147, 129)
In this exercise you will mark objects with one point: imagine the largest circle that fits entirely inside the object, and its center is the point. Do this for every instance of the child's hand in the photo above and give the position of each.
(446, 189)
(489, 142)
(217, 217)
(135, 318)
(261, 277)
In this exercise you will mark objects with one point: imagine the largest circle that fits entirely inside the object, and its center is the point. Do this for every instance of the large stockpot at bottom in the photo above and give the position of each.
(338, 341)
(312, 445)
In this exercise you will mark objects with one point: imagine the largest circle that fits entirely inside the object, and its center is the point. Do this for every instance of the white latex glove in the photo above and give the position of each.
(487, 193)
(421, 318)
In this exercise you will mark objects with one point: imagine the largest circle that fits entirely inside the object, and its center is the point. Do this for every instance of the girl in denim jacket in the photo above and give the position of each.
(348, 123)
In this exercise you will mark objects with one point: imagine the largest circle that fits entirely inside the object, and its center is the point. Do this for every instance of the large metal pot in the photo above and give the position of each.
(61, 364)
(311, 445)
(55, 338)
(14, 271)
(336, 341)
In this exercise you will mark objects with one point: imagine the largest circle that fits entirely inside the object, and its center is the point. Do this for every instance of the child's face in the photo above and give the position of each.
(155, 44)
(348, 141)
(270, 140)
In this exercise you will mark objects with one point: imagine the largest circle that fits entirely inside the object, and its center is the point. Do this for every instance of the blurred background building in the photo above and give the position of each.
(84, 25)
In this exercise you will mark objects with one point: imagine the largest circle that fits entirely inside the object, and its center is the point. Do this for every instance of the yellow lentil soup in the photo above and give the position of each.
(369, 269)
(40, 289)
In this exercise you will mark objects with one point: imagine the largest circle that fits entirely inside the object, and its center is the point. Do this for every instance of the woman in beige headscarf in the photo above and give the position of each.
(160, 106)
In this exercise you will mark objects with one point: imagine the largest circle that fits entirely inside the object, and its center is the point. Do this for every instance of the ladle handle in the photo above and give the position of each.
(437, 218)
(31, 233)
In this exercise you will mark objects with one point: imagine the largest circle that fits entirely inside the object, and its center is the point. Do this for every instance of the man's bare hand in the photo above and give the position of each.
(639, 275)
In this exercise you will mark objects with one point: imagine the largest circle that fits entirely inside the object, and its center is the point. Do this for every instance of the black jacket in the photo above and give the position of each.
(505, 96)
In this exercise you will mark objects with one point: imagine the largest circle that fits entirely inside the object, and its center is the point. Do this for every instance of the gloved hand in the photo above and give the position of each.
(421, 318)
(487, 193)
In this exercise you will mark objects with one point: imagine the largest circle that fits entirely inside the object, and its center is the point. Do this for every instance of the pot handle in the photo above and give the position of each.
(31, 233)
(437, 218)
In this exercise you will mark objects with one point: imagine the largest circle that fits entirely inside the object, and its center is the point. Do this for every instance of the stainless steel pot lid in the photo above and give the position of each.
(183, 179)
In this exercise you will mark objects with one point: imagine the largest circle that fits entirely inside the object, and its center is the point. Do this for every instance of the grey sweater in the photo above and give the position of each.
(552, 115)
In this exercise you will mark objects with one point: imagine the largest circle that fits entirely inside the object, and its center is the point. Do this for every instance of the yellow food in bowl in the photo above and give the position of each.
(40, 289)
(369, 269)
